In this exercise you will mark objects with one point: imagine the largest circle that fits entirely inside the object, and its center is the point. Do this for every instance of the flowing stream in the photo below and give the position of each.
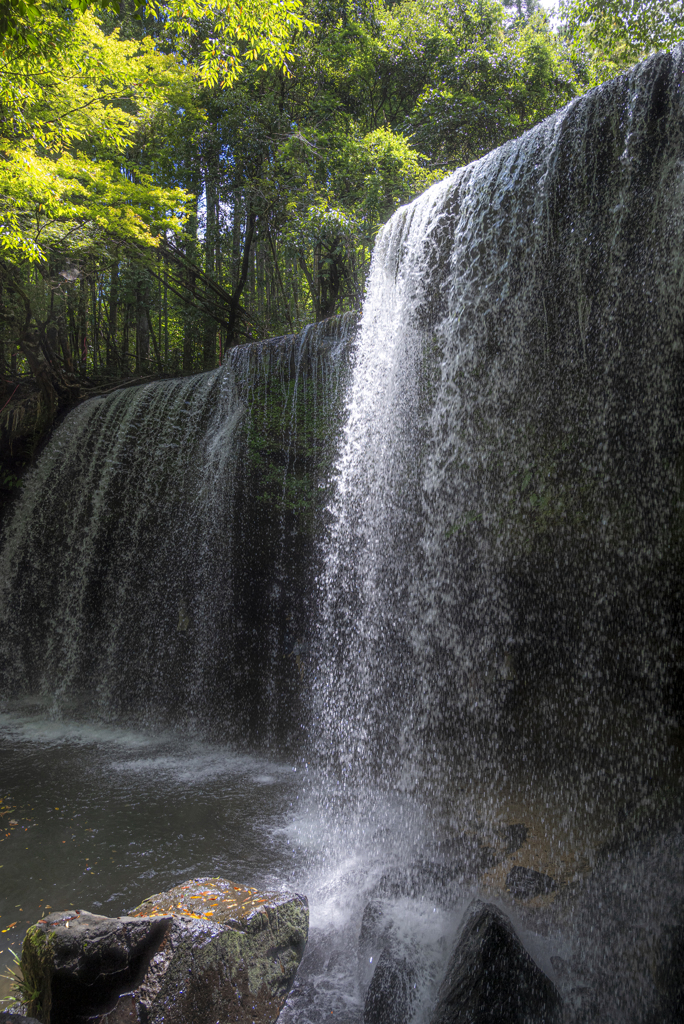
(449, 622)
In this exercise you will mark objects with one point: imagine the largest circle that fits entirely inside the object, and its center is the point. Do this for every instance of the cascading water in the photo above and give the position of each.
(507, 552)
(157, 565)
(501, 641)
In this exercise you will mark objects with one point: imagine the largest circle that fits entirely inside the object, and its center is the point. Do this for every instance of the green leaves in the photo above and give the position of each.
(78, 201)
(270, 137)
(69, 111)
(634, 27)
(487, 87)
(18, 18)
(256, 31)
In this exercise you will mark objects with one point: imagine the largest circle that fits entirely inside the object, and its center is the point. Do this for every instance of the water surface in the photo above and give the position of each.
(107, 816)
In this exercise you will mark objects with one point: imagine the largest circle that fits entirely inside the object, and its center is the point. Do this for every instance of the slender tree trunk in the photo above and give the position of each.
(142, 336)
(312, 287)
(280, 281)
(157, 352)
(294, 277)
(194, 183)
(210, 245)
(235, 241)
(72, 331)
(316, 281)
(82, 340)
(63, 337)
(251, 290)
(125, 341)
(166, 317)
(113, 312)
(231, 331)
(3, 331)
(259, 254)
(36, 349)
(94, 289)
(160, 309)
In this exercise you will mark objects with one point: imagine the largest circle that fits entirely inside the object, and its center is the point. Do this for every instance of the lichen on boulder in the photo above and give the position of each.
(204, 952)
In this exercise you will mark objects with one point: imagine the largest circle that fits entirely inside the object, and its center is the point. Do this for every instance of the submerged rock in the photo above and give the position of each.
(492, 979)
(391, 992)
(204, 952)
(514, 836)
(16, 1018)
(525, 883)
(375, 934)
(438, 873)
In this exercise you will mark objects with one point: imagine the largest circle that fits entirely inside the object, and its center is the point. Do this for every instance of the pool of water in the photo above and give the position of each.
(100, 817)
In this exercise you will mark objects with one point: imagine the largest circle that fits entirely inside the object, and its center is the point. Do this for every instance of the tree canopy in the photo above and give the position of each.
(181, 176)
(635, 27)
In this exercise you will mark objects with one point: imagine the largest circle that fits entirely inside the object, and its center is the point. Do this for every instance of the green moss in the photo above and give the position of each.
(36, 968)
(290, 446)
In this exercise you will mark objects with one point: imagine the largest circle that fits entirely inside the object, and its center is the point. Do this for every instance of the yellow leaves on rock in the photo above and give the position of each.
(7, 827)
(223, 898)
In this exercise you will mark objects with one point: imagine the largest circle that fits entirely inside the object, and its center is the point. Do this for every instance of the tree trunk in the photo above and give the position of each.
(82, 330)
(63, 339)
(142, 336)
(113, 310)
(124, 344)
(280, 282)
(157, 353)
(259, 253)
(55, 390)
(210, 238)
(231, 331)
(235, 241)
(190, 320)
(96, 333)
(166, 317)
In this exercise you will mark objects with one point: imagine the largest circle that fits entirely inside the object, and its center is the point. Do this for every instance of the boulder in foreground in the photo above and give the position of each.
(492, 979)
(391, 994)
(205, 952)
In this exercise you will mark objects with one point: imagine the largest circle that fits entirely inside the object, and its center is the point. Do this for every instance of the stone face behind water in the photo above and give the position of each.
(526, 883)
(206, 952)
(491, 979)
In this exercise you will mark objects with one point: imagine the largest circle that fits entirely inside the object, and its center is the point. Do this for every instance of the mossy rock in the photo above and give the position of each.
(204, 952)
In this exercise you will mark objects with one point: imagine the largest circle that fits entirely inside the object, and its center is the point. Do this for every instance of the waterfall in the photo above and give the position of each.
(157, 566)
(503, 583)
(463, 600)
(501, 572)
